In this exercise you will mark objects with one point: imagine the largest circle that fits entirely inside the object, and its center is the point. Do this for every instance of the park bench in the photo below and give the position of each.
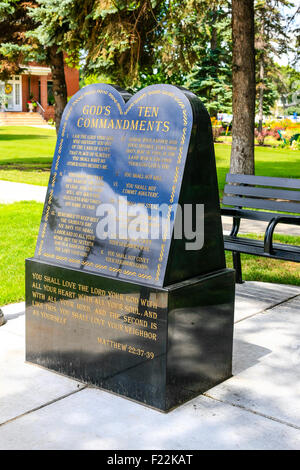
(290, 140)
(274, 200)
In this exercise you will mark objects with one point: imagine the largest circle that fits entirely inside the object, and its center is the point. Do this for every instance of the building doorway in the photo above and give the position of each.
(12, 92)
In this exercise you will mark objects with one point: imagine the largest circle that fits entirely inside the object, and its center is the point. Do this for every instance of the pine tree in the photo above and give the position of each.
(211, 76)
(15, 48)
(271, 40)
(117, 37)
(33, 31)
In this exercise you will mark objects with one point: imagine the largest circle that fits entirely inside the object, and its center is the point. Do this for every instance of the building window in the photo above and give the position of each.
(17, 94)
(50, 93)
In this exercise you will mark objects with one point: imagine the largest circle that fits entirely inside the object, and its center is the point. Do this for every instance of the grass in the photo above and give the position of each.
(36, 177)
(257, 268)
(26, 154)
(19, 224)
(269, 140)
(282, 163)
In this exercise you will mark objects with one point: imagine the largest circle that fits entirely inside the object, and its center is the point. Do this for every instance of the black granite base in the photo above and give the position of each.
(158, 346)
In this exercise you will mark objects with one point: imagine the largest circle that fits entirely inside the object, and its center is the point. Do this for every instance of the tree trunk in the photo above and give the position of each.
(261, 76)
(59, 83)
(261, 94)
(214, 32)
(243, 82)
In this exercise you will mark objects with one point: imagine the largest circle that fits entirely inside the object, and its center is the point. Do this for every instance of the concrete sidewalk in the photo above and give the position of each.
(258, 408)
(258, 226)
(14, 192)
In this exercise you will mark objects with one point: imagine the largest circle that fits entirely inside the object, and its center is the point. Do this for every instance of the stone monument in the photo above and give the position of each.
(128, 288)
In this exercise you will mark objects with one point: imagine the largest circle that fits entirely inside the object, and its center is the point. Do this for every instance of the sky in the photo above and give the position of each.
(286, 59)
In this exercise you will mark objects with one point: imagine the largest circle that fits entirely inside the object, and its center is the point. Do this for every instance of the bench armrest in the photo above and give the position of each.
(268, 241)
(236, 220)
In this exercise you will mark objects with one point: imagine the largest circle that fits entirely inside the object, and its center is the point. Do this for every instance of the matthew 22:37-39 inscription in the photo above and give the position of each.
(142, 315)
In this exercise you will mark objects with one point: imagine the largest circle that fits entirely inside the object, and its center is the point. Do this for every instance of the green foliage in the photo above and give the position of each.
(210, 77)
(212, 82)
(271, 95)
(7, 8)
(271, 40)
(14, 49)
(117, 37)
(55, 25)
(287, 81)
(294, 109)
(29, 29)
(141, 42)
(158, 75)
(90, 79)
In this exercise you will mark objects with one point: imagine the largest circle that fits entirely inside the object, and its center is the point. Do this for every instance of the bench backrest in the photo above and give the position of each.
(262, 192)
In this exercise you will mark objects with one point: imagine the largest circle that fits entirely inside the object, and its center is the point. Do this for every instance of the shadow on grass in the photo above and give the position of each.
(267, 270)
(22, 164)
(29, 168)
(8, 137)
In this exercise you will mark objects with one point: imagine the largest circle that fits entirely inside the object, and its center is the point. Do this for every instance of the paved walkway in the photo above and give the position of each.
(42, 126)
(13, 192)
(257, 226)
(258, 408)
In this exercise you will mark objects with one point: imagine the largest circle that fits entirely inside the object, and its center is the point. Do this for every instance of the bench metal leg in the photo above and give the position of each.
(236, 257)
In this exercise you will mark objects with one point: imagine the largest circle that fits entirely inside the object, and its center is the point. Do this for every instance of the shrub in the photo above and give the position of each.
(217, 131)
(217, 128)
(283, 124)
(274, 132)
(261, 135)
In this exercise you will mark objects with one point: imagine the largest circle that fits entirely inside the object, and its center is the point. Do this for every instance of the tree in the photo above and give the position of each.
(271, 40)
(210, 78)
(143, 42)
(33, 31)
(287, 82)
(55, 21)
(117, 37)
(243, 83)
(15, 47)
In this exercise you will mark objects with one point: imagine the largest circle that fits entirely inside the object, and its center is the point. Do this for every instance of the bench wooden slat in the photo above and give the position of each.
(247, 194)
(259, 243)
(280, 252)
(262, 204)
(253, 214)
(263, 181)
(262, 192)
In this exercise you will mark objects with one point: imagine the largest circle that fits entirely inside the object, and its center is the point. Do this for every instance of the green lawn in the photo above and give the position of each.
(26, 154)
(19, 224)
(257, 268)
(268, 162)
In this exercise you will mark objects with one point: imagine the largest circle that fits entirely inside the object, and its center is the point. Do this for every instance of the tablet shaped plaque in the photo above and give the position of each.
(133, 154)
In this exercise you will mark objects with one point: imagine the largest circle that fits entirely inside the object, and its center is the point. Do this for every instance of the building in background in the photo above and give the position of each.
(35, 84)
